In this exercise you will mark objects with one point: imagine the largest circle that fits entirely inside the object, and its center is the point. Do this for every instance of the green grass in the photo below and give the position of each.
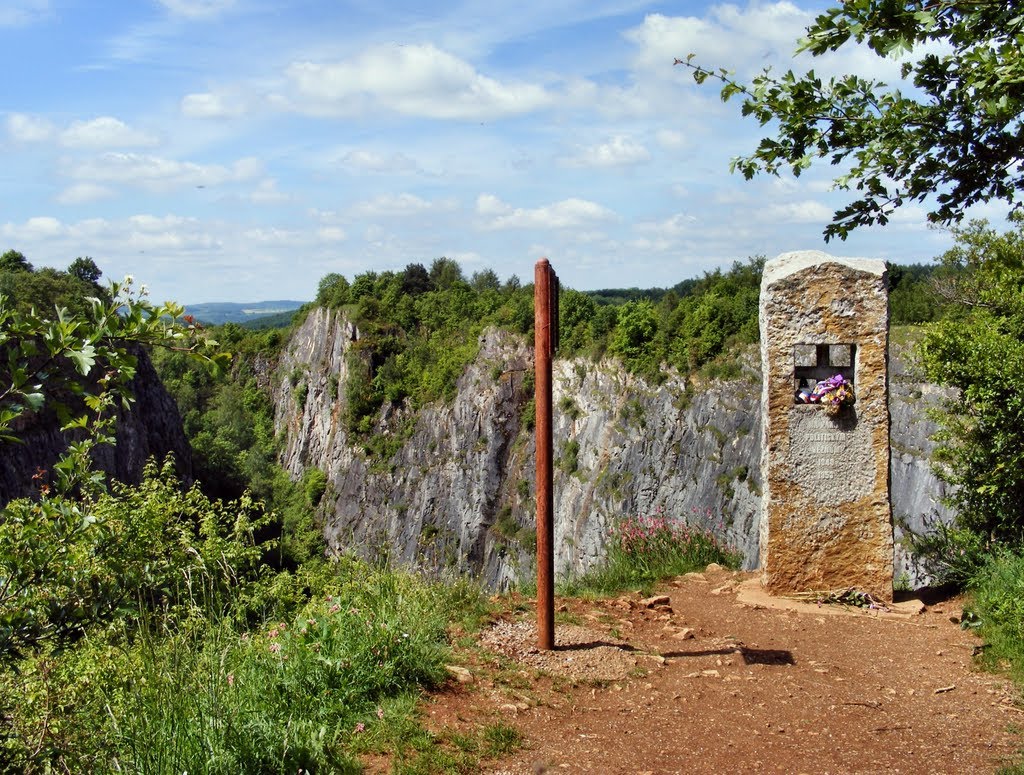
(997, 610)
(643, 550)
(339, 673)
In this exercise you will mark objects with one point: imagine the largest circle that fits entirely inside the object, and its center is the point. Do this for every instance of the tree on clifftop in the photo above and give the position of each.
(955, 139)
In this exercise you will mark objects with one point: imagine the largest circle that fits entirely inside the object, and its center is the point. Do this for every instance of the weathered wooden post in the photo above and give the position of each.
(545, 339)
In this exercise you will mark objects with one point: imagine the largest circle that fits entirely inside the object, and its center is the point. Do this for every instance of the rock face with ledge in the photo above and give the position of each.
(826, 518)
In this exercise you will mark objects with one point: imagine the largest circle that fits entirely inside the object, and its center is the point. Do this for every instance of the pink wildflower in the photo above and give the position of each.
(274, 648)
(360, 727)
(380, 713)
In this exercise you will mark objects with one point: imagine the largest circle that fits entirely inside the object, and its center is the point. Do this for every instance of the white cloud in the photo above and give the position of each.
(104, 132)
(197, 9)
(17, 13)
(101, 132)
(670, 139)
(678, 224)
(135, 234)
(83, 193)
(208, 105)
(23, 128)
(39, 227)
(267, 193)
(372, 161)
(331, 234)
(768, 32)
(413, 80)
(617, 152)
(567, 214)
(398, 205)
(154, 172)
(807, 211)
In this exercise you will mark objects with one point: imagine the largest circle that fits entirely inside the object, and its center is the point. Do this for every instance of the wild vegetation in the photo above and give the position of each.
(203, 627)
(164, 628)
(645, 549)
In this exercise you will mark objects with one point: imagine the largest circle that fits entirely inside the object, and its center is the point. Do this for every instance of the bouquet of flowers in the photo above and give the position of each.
(833, 394)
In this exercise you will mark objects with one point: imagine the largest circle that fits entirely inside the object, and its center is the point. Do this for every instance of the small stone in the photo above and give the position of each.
(722, 589)
(685, 634)
(713, 567)
(710, 673)
(912, 607)
(460, 674)
(694, 576)
(656, 601)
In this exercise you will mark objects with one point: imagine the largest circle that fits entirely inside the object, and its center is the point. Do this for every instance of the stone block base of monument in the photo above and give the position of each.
(826, 520)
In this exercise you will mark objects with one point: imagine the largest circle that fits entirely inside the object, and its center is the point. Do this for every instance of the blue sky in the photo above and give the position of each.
(239, 150)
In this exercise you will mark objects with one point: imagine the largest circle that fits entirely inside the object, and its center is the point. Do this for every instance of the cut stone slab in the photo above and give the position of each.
(826, 520)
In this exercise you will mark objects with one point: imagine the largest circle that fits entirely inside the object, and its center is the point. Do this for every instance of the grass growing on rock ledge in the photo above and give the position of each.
(645, 549)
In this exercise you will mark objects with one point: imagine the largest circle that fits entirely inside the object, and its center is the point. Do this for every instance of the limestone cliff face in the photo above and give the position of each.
(459, 490)
(151, 427)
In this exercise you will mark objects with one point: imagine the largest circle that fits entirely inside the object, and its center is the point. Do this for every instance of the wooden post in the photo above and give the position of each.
(545, 292)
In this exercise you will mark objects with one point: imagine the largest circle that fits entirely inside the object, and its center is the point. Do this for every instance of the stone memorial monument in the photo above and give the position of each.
(826, 521)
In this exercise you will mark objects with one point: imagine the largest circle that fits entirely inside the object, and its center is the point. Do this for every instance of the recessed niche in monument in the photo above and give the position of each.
(813, 363)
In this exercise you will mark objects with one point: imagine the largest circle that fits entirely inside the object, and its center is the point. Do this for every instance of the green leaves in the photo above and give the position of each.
(81, 362)
(84, 359)
(953, 140)
(978, 349)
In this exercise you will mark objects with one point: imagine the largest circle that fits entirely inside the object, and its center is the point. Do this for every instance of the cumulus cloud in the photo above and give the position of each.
(414, 80)
(83, 193)
(567, 214)
(96, 133)
(619, 151)
(209, 105)
(331, 234)
(104, 132)
(267, 193)
(23, 128)
(670, 139)
(154, 172)
(396, 205)
(769, 32)
(806, 211)
(676, 225)
(372, 161)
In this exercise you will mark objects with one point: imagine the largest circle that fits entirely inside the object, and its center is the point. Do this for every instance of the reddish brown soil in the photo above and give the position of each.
(763, 686)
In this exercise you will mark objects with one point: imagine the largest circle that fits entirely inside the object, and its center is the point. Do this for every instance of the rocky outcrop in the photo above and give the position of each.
(150, 427)
(458, 490)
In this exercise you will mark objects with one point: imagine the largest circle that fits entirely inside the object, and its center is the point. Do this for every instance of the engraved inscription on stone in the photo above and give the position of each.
(831, 460)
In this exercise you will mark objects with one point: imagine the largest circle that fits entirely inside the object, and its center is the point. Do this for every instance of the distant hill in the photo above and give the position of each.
(215, 313)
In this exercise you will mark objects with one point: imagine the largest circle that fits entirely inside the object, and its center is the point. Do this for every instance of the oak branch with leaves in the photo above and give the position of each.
(954, 140)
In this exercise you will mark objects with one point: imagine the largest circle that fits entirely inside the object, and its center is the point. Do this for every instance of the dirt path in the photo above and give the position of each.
(719, 681)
